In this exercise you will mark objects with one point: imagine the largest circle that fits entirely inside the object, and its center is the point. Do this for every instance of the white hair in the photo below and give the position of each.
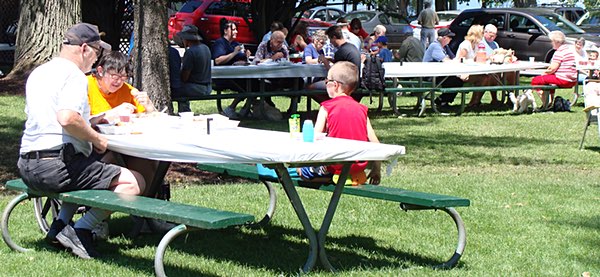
(557, 36)
(379, 29)
(490, 28)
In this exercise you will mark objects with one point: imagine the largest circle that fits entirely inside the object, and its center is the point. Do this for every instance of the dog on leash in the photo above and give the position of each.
(521, 102)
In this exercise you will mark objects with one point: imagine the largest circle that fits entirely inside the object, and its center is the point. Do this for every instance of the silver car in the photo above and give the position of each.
(397, 27)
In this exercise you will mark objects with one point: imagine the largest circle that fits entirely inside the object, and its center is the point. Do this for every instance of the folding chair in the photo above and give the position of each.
(591, 99)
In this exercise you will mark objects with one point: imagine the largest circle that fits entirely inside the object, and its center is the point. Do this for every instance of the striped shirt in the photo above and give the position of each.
(565, 57)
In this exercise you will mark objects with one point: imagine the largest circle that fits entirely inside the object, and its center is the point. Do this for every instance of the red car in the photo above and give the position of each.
(206, 15)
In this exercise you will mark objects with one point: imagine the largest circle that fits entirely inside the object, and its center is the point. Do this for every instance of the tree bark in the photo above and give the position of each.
(42, 25)
(150, 55)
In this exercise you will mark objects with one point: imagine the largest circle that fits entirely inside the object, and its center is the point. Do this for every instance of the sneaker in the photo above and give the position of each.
(79, 241)
(55, 228)
(230, 112)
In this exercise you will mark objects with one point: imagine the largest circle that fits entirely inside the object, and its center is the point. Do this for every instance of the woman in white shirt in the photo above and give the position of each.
(467, 51)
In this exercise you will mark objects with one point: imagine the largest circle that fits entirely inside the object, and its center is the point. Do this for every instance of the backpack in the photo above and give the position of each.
(561, 105)
(373, 74)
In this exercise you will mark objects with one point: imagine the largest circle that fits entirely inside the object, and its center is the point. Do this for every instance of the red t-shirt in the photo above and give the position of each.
(346, 119)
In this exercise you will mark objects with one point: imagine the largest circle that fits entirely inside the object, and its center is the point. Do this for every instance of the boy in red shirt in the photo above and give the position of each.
(343, 117)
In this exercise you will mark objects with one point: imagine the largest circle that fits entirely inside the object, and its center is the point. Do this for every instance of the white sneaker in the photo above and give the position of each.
(230, 112)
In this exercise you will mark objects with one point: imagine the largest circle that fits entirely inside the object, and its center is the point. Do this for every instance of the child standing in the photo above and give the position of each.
(343, 117)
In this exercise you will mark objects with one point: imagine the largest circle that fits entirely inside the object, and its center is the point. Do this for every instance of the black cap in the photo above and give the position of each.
(81, 33)
(445, 32)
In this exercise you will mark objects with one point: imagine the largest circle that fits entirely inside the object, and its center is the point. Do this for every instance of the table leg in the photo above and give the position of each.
(292, 194)
(335, 199)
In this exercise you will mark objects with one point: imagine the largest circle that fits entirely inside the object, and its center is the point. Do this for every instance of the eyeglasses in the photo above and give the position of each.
(117, 77)
(98, 51)
(330, 81)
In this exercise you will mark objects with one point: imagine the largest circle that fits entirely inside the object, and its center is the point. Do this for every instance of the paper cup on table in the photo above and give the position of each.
(532, 59)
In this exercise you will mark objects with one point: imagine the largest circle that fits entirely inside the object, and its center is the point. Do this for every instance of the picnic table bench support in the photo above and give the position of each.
(159, 268)
(5, 220)
(460, 227)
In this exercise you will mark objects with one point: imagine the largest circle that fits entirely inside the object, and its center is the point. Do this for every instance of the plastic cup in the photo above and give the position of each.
(532, 59)
(124, 118)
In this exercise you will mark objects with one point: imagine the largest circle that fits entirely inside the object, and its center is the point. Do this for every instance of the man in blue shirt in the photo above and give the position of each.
(438, 51)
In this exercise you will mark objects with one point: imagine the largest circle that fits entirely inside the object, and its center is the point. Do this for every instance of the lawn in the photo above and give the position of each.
(534, 206)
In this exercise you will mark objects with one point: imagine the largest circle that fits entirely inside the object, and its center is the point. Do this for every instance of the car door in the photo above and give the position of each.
(232, 10)
(526, 37)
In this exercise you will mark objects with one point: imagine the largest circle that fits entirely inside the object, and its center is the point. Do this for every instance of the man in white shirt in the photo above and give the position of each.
(59, 149)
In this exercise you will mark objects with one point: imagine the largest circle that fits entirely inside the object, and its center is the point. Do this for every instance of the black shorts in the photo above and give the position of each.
(65, 170)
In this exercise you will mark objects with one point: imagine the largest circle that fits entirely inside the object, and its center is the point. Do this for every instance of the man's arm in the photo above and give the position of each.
(375, 174)
(75, 125)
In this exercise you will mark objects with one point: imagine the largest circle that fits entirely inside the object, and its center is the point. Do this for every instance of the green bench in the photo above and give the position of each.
(516, 88)
(408, 199)
(187, 216)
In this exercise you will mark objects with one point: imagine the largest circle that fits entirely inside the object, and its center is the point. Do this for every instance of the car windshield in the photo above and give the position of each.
(556, 22)
(190, 6)
(590, 18)
(362, 16)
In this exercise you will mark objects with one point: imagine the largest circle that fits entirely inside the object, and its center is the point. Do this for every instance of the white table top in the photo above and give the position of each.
(268, 71)
(176, 140)
(407, 70)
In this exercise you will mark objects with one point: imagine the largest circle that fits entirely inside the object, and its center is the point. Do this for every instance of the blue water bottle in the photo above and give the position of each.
(308, 131)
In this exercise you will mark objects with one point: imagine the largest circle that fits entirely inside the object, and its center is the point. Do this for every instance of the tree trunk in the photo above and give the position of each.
(150, 56)
(42, 25)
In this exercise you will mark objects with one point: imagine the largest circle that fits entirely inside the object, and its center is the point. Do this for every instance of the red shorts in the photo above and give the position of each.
(551, 79)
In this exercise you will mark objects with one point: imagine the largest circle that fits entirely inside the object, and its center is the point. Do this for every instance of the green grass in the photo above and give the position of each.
(534, 207)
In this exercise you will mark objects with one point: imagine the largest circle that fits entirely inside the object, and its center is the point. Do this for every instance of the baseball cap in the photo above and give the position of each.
(189, 32)
(445, 32)
(81, 33)
(382, 39)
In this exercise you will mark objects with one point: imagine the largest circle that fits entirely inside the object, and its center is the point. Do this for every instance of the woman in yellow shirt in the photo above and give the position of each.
(108, 93)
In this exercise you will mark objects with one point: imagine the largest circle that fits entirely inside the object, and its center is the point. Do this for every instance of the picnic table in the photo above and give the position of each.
(262, 72)
(440, 72)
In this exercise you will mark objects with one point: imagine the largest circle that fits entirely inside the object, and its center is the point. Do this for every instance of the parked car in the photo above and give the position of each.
(572, 14)
(207, 14)
(323, 14)
(524, 30)
(446, 18)
(397, 26)
(590, 22)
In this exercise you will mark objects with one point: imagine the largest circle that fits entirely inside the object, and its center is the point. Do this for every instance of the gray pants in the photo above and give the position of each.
(427, 36)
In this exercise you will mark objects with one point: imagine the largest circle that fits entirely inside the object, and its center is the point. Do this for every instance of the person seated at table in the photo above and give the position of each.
(195, 68)
(227, 51)
(593, 57)
(274, 50)
(490, 32)
(315, 48)
(466, 52)
(580, 56)
(562, 71)
(343, 117)
(109, 94)
(383, 52)
(348, 35)
(299, 38)
(357, 29)
(438, 51)
(345, 52)
(411, 50)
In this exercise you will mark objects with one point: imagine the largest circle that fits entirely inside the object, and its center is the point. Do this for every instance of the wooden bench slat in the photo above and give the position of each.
(196, 216)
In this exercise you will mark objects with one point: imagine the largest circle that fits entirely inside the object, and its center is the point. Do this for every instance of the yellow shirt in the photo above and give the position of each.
(101, 102)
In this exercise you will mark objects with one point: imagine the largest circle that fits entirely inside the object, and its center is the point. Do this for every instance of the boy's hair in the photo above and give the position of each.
(115, 61)
(347, 74)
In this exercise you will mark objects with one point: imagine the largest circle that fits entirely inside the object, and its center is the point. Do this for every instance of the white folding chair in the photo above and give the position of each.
(591, 100)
